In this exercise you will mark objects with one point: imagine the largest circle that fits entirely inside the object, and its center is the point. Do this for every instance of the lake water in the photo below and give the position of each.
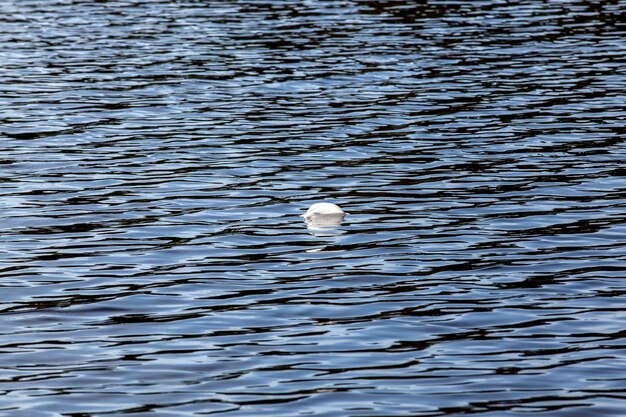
(155, 157)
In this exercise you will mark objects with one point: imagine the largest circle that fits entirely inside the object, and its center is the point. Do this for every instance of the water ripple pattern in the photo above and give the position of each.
(155, 157)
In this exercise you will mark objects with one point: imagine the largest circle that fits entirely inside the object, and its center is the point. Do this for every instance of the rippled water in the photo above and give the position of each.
(155, 157)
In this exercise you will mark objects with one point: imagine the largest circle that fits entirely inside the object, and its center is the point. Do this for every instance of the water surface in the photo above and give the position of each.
(155, 157)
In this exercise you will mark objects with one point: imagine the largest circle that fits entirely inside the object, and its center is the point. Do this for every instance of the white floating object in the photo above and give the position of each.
(324, 209)
(323, 215)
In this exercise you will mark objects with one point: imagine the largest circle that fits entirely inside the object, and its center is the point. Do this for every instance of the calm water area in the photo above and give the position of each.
(156, 157)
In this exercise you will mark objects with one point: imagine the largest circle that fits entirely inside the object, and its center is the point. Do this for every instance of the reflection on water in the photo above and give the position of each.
(155, 157)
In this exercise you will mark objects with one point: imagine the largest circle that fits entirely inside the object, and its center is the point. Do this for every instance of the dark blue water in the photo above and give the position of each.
(155, 157)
